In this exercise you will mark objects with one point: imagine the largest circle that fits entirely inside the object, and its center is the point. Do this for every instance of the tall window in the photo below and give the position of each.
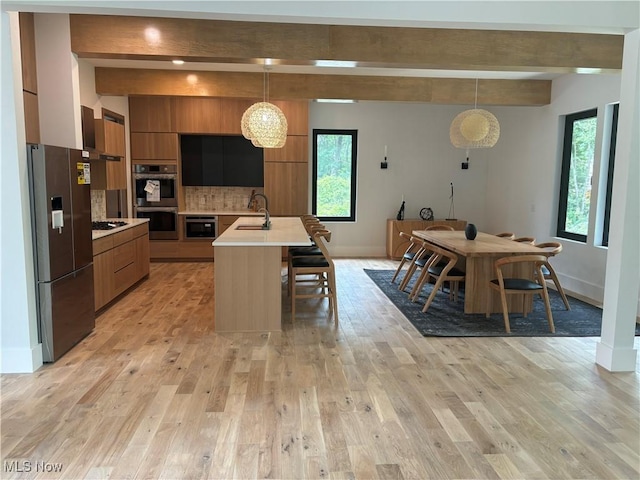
(334, 174)
(575, 180)
(612, 160)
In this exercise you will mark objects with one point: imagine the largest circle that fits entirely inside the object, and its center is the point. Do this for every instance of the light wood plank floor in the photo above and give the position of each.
(154, 392)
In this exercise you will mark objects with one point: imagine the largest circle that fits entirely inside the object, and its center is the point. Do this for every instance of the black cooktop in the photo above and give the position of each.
(106, 225)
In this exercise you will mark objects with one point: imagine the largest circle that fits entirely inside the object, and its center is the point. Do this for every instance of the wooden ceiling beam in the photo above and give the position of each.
(126, 81)
(97, 36)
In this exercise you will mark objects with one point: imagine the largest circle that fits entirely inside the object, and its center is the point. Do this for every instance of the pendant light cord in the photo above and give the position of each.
(475, 104)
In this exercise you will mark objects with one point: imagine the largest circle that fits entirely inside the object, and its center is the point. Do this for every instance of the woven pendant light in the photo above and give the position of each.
(474, 128)
(264, 123)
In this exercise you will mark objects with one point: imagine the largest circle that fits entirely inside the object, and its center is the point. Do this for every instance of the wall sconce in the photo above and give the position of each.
(383, 164)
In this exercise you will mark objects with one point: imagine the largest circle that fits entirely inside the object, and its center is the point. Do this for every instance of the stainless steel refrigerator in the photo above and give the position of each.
(61, 220)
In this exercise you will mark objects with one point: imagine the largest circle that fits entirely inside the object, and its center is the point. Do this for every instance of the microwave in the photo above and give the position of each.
(200, 227)
(155, 185)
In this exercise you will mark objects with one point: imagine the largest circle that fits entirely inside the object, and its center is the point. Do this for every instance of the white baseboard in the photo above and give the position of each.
(21, 360)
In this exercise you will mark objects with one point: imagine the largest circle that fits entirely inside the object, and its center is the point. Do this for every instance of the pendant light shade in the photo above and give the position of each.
(264, 124)
(474, 128)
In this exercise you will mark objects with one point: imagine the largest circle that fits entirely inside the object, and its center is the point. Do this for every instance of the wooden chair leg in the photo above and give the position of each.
(398, 270)
(505, 311)
(333, 299)
(436, 287)
(547, 306)
(292, 286)
(556, 282)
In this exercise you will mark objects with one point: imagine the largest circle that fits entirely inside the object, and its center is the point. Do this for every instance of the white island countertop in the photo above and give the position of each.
(285, 231)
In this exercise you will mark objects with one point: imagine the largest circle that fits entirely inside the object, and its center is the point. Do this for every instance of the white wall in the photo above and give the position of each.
(19, 347)
(422, 163)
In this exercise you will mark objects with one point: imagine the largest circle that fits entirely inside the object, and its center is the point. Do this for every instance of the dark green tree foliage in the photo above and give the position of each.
(579, 194)
(334, 175)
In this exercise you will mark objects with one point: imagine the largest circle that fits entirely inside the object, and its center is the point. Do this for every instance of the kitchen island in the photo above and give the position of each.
(248, 270)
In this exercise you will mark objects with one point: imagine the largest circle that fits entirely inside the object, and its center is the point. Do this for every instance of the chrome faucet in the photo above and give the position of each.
(267, 223)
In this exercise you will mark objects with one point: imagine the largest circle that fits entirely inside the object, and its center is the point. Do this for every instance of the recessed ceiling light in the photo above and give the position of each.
(177, 62)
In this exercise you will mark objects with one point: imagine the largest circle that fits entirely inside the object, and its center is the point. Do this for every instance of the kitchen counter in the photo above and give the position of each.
(131, 222)
(285, 231)
(248, 274)
(211, 213)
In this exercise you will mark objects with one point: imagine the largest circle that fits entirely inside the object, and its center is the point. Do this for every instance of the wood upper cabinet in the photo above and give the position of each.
(29, 77)
(154, 146)
(286, 184)
(110, 140)
(150, 114)
(296, 149)
(108, 174)
(232, 110)
(297, 114)
(28, 52)
(31, 117)
(110, 137)
(196, 115)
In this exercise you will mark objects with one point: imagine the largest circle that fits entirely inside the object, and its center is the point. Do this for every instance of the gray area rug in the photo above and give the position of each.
(446, 318)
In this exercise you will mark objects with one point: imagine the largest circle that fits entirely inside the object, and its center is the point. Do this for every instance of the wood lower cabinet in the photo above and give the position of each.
(225, 221)
(119, 261)
(396, 245)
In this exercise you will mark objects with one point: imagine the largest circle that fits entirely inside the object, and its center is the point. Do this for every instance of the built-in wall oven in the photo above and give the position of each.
(163, 221)
(155, 185)
(156, 198)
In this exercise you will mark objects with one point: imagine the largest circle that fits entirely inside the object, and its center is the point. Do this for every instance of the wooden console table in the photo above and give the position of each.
(396, 245)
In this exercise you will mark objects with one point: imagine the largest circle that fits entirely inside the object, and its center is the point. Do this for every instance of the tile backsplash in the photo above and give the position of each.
(98, 204)
(218, 198)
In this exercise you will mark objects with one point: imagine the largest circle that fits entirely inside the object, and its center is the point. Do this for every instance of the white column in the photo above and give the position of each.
(19, 347)
(615, 350)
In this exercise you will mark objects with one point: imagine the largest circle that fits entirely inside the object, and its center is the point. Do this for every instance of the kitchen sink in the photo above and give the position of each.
(251, 227)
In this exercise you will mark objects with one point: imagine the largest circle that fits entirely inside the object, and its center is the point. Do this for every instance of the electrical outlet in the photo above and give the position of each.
(203, 200)
(465, 165)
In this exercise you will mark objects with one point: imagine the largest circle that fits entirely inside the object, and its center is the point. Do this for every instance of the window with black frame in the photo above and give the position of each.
(334, 174)
(612, 160)
(576, 176)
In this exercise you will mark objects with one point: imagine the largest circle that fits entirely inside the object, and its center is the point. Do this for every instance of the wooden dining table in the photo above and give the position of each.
(479, 256)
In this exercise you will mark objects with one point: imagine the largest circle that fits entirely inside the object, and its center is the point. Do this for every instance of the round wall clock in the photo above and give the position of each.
(426, 214)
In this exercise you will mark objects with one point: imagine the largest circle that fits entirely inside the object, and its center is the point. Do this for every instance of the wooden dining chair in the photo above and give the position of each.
(421, 255)
(410, 252)
(304, 251)
(507, 235)
(321, 269)
(522, 286)
(553, 248)
(441, 267)
(529, 240)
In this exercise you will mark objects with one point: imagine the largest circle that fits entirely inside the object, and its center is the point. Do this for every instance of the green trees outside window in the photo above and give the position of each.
(334, 174)
(577, 170)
